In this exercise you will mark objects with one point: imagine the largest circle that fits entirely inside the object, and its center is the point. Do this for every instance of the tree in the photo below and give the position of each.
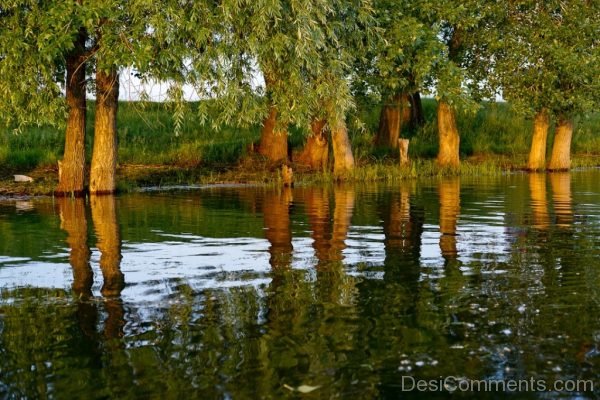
(399, 65)
(457, 76)
(43, 47)
(545, 61)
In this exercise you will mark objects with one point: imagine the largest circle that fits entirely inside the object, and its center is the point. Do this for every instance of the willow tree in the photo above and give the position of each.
(546, 64)
(398, 67)
(458, 26)
(298, 47)
(43, 48)
(349, 34)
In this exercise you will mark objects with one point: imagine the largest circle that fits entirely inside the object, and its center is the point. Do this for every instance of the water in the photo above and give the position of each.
(348, 291)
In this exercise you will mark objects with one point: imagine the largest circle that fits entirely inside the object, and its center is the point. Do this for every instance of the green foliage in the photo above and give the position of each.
(546, 55)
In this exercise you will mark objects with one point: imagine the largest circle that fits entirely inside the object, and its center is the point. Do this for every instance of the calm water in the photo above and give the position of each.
(251, 293)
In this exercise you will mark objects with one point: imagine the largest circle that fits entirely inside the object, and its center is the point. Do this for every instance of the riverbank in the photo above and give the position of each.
(254, 170)
(153, 153)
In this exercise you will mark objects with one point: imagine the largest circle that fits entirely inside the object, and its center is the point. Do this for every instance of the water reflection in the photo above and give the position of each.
(403, 223)
(223, 298)
(73, 221)
(449, 197)
(329, 230)
(539, 201)
(276, 211)
(561, 197)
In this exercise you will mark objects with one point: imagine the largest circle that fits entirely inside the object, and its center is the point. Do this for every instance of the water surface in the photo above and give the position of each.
(251, 293)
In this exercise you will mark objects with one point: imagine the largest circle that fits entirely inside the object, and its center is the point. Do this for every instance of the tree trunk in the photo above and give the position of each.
(104, 155)
(537, 153)
(343, 160)
(560, 160)
(273, 144)
(316, 150)
(393, 116)
(71, 170)
(403, 147)
(416, 107)
(449, 140)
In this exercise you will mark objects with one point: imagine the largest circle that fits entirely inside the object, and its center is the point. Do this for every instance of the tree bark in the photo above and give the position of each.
(273, 144)
(316, 150)
(449, 140)
(71, 170)
(393, 116)
(403, 147)
(343, 160)
(104, 155)
(560, 160)
(537, 153)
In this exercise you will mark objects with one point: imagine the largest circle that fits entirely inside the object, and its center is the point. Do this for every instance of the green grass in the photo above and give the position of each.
(493, 139)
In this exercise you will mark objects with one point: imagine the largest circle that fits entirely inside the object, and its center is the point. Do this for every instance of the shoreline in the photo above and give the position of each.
(249, 172)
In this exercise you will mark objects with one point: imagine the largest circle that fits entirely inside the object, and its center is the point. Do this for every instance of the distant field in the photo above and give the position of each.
(146, 136)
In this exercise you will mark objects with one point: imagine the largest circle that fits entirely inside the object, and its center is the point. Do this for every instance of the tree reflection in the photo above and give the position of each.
(104, 217)
(276, 213)
(449, 197)
(73, 221)
(539, 202)
(402, 227)
(561, 197)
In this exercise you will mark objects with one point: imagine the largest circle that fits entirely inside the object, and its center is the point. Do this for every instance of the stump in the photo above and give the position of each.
(403, 147)
(287, 176)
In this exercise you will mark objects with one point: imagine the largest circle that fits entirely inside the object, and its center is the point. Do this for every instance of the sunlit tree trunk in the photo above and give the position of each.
(104, 155)
(539, 202)
(449, 193)
(104, 217)
(560, 160)
(561, 197)
(449, 140)
(343, 160)
(391, 120)
(273, 143)
(316, 150)
(276, 214)
(71, 169)
(537, 153)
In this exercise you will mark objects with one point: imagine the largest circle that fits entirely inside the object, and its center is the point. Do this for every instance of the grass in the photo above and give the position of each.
(492, 140)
